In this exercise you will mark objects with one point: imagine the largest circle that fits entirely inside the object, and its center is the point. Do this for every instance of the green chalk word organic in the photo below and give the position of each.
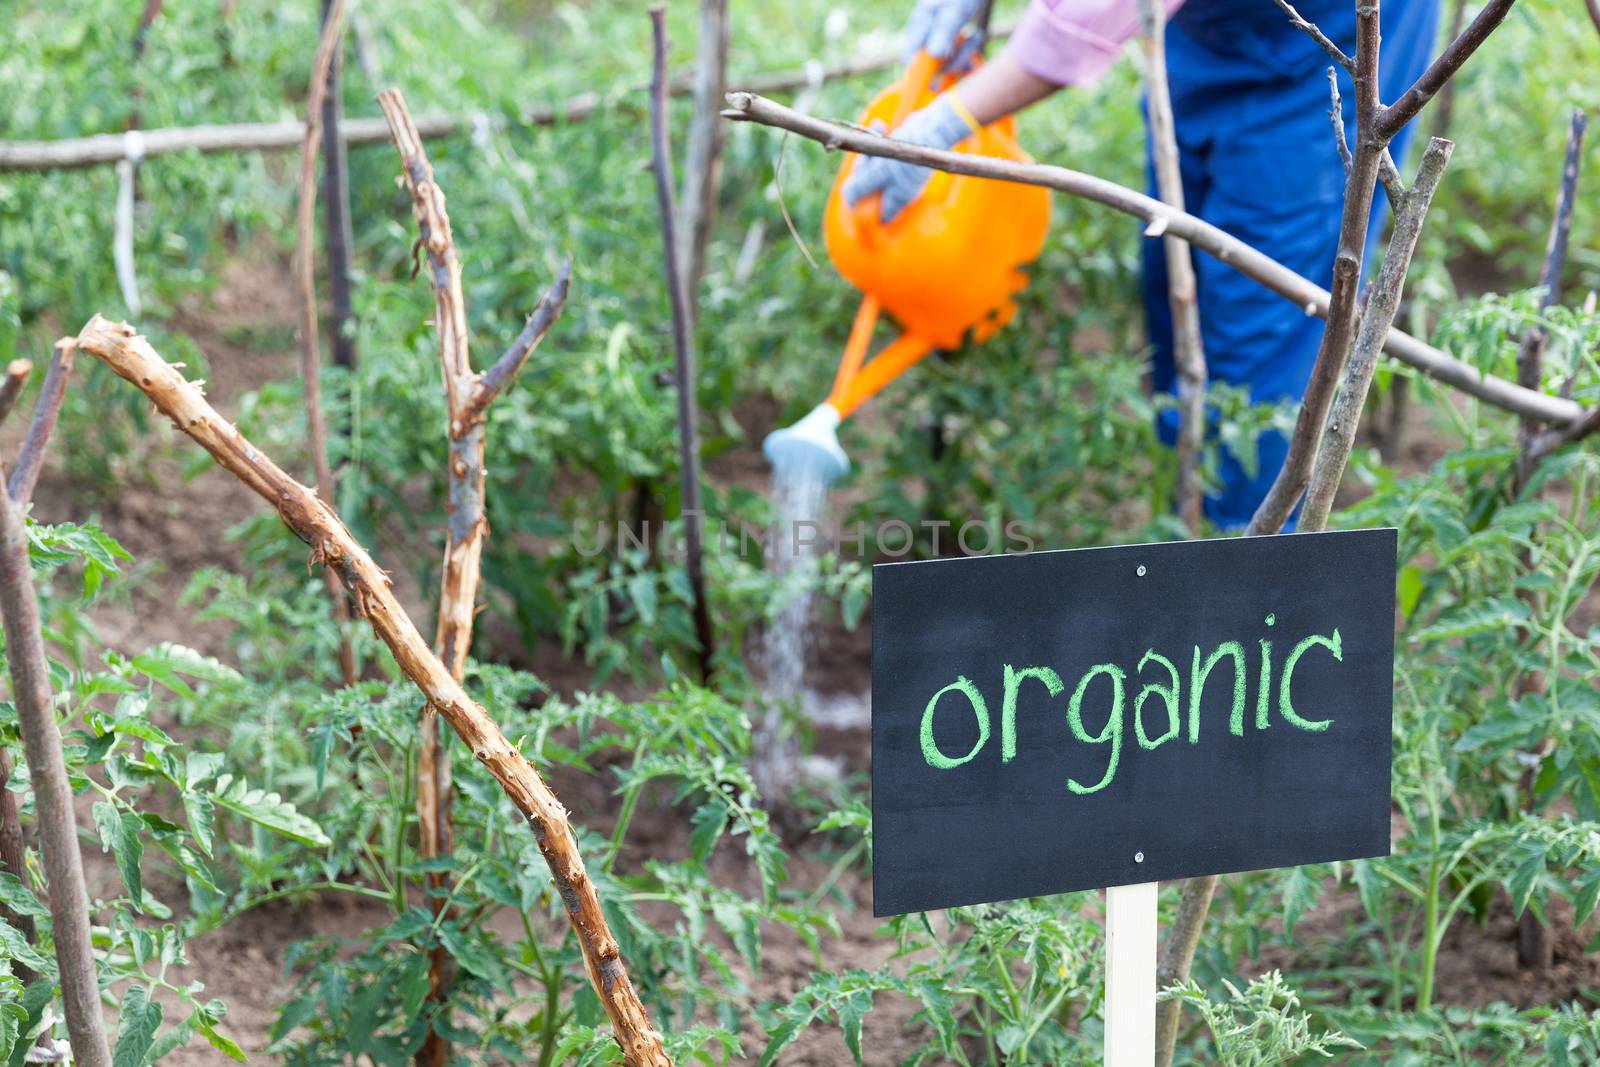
(1105, 685)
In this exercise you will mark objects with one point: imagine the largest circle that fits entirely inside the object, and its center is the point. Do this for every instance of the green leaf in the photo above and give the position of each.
(413, 988)
(202, 819)
(14, 946)
(200, 766)
(708, 822)
(850, 1013)
(1525, 877)
(119, 833)
(1493, 732)
(795, 1020)
(1301, 890)
(18, 898)
(1501, 615)
(268, 810)
(136, 1031)
(222, 1042)
(166, 662)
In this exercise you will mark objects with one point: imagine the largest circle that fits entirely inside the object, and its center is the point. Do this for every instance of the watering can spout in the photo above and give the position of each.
(811, 444)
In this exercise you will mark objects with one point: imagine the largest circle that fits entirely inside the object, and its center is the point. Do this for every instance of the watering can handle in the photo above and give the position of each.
(919, 75)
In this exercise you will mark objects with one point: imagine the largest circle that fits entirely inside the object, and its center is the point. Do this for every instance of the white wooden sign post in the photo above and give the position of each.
(1130, 1010)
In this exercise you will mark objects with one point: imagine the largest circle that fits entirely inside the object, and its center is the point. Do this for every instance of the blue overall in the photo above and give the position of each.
(1250, 100)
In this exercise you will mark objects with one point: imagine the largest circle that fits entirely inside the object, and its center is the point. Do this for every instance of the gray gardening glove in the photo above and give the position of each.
(934, 27)
(939, 125)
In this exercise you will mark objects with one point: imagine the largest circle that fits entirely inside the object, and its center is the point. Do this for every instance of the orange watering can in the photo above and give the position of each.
(949, 263)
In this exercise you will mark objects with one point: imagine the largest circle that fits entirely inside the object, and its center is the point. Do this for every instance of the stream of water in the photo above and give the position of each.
(798, 495)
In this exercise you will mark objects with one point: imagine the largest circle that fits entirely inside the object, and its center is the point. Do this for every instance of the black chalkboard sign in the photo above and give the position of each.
(1069, 720)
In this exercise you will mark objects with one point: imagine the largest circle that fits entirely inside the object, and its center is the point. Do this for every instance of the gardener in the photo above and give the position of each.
(1250, 98)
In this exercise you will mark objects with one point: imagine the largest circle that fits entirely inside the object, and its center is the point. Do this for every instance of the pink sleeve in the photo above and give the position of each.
(1074, 42)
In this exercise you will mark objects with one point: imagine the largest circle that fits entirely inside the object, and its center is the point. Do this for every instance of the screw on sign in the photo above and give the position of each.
(1044, 723)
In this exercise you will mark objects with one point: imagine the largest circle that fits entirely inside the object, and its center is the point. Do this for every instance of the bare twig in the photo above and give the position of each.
(491, 381)
(702, 157)
(1445, 101)
(16, 376)
(1339, 334)
(337, 239)
(747, 107)
(315, 522)
(1336, 119)
(101, 148)
(1530, 353)
(305, 270)
(1396, 115)
(1188, 349)
(1311, 30)
(1594, 12)
(30, 458)
(682, 345)
(1383, 301)
(52, 795)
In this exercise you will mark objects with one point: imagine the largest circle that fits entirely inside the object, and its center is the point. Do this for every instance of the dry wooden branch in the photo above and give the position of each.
(1392, 118)
(1556, 411)
(306, 271)
(491, 381)
(337, 237)
(682, 346)
(316, 523)
(52, 795)
(16, 377)
(465, 533)
(1530, 353)
(13, 850)
(1313, 31)
(30, 458)
(101, 148)
(702, 157)
(1382, 302)
(1594, 12)
(1188, 348)
(1177, 955)
(1339, 334)
(467, 398)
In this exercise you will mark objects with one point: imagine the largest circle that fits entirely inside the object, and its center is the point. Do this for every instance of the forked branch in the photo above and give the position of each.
(315, 522)
(1383, 301)
(467, 396)
(1392, 118)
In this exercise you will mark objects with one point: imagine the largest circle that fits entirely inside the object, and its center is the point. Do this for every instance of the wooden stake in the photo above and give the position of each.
(1188, 349)
(337, 238)
(1131, 975)
(682, 347)
(315, 522)
(47, 770)
(306, 276)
